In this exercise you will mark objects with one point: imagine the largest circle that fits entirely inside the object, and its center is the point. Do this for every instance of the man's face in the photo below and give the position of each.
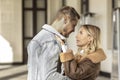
(69, 28)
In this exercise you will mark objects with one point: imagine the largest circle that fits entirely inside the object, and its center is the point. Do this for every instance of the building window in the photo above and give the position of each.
(84, 6)
(34, 16)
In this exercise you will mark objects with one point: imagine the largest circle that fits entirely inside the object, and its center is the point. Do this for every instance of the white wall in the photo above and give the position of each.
(0, 19)
(103, 10)
(75, 4)
(11, 27)
(53, 7)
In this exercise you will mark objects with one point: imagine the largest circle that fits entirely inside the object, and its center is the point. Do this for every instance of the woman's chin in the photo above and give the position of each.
(78, 45)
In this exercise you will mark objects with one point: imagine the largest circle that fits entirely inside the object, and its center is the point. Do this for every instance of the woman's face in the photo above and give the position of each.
(82, 38)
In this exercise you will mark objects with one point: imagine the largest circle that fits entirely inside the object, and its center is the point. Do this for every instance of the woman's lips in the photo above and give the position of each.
(77, 41)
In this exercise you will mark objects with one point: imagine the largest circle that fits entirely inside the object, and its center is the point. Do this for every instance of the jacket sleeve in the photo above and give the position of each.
(79, 71)
(53, 70)
(31, 64)
(42, 62)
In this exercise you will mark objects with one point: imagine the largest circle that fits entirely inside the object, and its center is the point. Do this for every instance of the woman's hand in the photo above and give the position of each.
(66, 56)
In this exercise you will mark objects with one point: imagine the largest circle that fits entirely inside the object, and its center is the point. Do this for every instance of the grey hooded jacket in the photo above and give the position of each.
(43, 56)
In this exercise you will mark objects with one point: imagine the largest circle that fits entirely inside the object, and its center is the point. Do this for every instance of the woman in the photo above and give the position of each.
(85, 65)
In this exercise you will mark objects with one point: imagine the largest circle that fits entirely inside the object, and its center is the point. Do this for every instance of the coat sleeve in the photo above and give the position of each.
(79, 71)
(87, 67)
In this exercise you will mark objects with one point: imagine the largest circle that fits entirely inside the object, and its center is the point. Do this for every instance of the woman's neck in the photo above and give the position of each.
(84, 47)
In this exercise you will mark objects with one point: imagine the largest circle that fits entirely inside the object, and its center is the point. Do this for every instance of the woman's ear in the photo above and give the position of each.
(90, 38)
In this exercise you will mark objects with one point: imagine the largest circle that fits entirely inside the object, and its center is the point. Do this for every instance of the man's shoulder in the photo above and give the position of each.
(44, 36)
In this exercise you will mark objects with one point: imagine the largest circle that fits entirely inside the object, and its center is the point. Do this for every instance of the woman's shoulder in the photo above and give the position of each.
(97, 56)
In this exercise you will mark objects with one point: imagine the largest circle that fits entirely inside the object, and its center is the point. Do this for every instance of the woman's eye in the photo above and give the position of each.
(80, 32)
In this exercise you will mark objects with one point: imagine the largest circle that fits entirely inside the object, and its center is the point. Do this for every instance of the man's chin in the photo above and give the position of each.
(66, 36)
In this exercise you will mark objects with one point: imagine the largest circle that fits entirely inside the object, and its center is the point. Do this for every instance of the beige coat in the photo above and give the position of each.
(86, 69)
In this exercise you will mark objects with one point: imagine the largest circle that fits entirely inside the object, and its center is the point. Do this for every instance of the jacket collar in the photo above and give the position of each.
(51, 29)
(97, 56)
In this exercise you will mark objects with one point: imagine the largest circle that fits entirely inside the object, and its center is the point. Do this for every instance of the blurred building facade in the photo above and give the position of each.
(20, 20)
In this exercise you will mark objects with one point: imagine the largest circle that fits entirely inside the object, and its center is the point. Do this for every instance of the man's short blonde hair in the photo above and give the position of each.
(69, 11)
(66, 12)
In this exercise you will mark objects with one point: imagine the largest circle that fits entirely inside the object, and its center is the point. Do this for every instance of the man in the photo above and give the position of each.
(44, 48)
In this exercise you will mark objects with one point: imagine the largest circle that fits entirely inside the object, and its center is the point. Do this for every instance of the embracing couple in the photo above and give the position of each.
(50, 59)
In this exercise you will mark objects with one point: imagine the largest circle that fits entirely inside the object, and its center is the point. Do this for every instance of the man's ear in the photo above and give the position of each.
(66, 19)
